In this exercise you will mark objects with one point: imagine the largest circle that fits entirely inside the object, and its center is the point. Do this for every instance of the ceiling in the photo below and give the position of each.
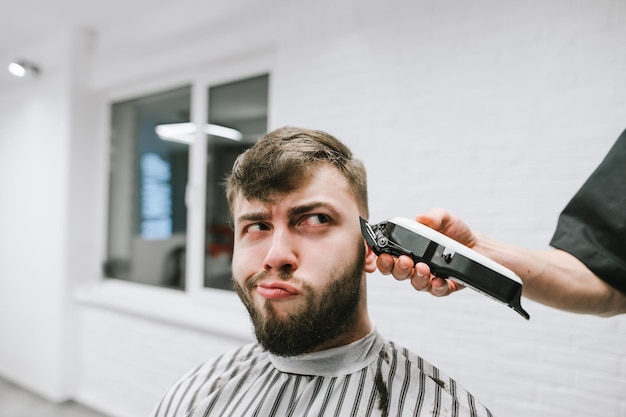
(25, 21)
(25, 25)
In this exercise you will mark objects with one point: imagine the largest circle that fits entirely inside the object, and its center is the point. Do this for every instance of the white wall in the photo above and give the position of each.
(496, 110)
(42, 238)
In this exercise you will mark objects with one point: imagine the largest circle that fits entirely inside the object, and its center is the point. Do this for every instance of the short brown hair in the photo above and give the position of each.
(279, 162)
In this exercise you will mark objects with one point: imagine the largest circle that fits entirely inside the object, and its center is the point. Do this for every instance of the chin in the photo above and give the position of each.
(276, 313)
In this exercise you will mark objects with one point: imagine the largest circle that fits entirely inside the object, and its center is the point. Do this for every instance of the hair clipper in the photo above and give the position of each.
(446, 258)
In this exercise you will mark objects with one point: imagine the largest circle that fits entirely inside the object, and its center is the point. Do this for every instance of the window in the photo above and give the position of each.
(150, 163)
(241, 105)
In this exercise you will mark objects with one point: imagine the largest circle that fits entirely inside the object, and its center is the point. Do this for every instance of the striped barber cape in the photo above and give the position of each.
(370, 377)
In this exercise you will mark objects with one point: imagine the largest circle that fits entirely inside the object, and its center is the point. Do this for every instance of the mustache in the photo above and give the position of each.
(253, 281)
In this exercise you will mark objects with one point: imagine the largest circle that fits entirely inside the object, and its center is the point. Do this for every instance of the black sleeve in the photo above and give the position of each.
(592, 227)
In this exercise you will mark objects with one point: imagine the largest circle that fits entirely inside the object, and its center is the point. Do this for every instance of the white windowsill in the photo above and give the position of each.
(208, 311)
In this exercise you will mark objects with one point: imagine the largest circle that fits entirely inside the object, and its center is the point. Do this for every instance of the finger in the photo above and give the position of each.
(433, 219)
(384, 263)
(403, 268)
(440, 287)
(422, 269)
(421, 283)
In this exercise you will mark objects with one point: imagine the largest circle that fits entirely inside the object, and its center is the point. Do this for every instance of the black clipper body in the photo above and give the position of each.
(446, 258)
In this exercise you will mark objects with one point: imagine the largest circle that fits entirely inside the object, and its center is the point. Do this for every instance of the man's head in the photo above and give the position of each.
(299, 260)
(282, 159)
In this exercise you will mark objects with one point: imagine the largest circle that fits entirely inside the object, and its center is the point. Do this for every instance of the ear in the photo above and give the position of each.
(370, 259)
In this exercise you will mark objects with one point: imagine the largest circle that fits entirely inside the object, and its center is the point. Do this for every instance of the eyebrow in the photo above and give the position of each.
(254, 216)
(314, 205)
(293, 211)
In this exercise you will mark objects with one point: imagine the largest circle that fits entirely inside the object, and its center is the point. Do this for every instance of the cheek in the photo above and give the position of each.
(237, 265)
(324, 261)
(245, 262)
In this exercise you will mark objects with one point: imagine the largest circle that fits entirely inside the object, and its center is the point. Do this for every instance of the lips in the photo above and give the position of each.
(276, 289)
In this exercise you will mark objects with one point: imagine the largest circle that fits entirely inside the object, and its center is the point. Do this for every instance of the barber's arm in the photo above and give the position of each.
(552, 277)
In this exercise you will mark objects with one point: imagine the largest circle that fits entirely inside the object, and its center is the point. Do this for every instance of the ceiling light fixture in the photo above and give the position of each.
(185, 132)
(23, 68)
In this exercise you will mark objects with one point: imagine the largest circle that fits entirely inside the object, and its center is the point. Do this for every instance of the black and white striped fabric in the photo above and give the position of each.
(371, 377)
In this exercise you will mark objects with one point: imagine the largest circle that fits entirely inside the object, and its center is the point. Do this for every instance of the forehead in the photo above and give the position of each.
(324, 184)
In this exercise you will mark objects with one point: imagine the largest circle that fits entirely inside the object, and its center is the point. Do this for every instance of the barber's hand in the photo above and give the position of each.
(422, 280)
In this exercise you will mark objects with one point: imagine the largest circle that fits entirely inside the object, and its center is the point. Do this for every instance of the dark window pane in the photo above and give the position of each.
(147, 213)
(240, 105)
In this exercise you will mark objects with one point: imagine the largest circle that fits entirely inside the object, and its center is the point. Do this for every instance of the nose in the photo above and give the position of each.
(281, 255)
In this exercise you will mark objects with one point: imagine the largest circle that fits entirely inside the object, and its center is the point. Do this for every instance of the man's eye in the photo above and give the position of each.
(316, 218)
(256, 227)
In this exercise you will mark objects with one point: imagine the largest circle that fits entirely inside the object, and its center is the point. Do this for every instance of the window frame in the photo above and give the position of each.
(196, 305)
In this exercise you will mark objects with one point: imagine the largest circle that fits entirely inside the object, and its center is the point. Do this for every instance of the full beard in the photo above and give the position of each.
(325, 315)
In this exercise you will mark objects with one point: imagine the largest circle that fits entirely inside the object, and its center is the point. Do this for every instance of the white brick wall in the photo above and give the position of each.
(128, 362)
(496, 110)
